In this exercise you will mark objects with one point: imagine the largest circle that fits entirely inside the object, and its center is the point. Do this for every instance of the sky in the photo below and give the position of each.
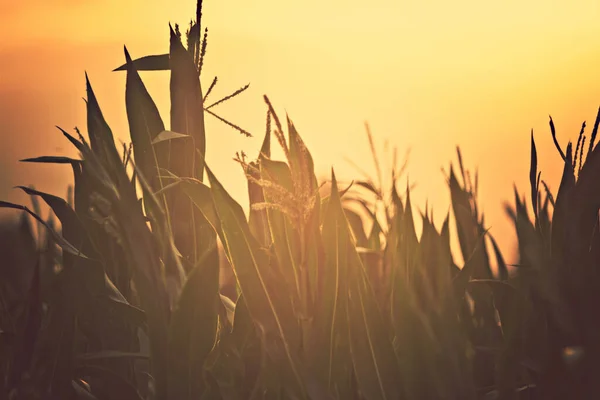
(427, 75)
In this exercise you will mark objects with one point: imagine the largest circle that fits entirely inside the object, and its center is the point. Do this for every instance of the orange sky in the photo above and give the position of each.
(426, 74)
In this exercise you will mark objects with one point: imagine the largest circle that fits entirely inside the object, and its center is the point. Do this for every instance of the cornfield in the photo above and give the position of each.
(333, 295)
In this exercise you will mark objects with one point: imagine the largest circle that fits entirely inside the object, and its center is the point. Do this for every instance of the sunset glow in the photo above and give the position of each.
(428, 75)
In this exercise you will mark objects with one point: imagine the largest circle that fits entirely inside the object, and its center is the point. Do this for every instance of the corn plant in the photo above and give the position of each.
(330, 302)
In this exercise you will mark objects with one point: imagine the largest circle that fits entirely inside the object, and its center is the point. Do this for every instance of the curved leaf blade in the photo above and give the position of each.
(158, 62)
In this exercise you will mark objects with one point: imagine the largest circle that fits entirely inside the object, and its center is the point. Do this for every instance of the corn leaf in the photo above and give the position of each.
(193, 330)
(185, 158)
(168, 135)
(144, 125)
(329, 346)
(101, 138)
(159, 62)
(372, 352)
(271, 309)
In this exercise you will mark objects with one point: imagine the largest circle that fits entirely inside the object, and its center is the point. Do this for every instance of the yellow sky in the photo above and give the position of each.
(426, 74)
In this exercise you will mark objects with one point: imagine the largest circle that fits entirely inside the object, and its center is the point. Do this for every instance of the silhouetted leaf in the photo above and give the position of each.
(65, 245)
(101, 138)
(168, 135)
(52, 160)
(159, 62)
(144, 125)
(532, 178)
(560, 218)
(185, 158)
(370, 187)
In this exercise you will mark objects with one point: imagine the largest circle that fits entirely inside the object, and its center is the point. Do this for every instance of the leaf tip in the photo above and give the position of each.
(127, 56)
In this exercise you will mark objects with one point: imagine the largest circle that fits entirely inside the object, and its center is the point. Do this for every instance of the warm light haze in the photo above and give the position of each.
(429, 75)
